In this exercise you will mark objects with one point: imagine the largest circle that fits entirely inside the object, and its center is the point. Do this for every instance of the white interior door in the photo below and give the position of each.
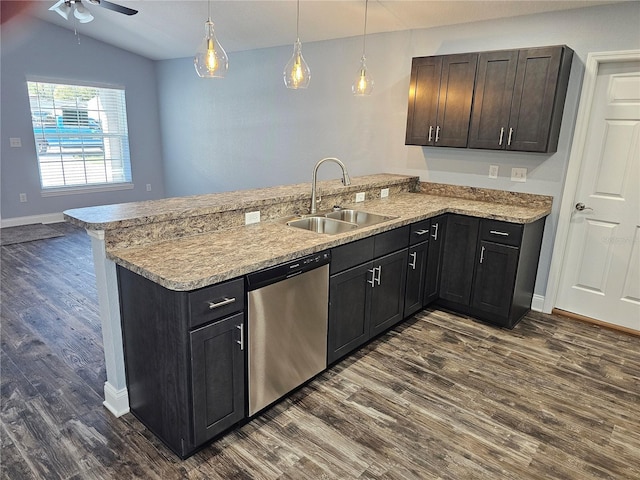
(601, 267)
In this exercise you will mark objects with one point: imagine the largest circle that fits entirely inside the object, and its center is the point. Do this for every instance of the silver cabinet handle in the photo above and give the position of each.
(372, 282)
(412, 264)
(421, 232)
(241, 341)
(496, 232)
(221, 303)
(379, 274)
(430, 132)
(581, 207)
(435, 235)
(437, 133)
(501, 136)
(482, 255)
(509, 139)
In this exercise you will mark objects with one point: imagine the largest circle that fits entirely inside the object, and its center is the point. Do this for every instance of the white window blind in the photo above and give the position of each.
(81, 135)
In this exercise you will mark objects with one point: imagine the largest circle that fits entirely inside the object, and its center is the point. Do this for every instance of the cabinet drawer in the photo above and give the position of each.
(351, 254)
(501, 232)
(420, 231)
(217, 301)
(391, 241)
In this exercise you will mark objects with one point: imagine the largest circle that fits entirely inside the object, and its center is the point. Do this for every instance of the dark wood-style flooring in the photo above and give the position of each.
(440, 396)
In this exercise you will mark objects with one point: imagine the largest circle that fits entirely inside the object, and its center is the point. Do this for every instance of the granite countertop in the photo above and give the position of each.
(197, 261)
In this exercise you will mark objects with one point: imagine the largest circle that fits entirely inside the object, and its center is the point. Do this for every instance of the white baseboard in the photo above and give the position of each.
(44, 218)
(116, 401)
(537, 303)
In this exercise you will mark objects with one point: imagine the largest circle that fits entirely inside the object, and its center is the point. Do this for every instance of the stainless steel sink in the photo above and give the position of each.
(338, 221)
(360, 218)
(322, 225)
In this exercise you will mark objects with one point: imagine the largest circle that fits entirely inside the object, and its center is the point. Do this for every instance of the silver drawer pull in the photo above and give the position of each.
(414, 258)
(437, 134)
(435, 234)
(421, 232)
(241, 341)
(372, 282)
(509, 140)
(496, 232)
(501, 136)
(482, 255)
(221, 303)
(430, 132)
(379, 274)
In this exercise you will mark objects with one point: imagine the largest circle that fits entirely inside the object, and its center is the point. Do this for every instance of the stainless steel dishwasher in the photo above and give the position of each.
(288, 309)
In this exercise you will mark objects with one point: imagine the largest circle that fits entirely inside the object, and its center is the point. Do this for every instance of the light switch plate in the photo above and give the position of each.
(360, 197)
(252, 217)
(518, 174)
(493, 171)
(384, 193)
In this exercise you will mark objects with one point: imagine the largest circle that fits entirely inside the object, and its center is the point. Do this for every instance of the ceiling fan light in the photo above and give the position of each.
(62, 8)
(81, 13)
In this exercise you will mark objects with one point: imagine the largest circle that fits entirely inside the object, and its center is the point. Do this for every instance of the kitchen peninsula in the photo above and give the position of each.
(186, 244)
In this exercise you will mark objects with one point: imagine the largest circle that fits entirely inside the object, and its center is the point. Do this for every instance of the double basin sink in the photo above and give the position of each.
(338, 221)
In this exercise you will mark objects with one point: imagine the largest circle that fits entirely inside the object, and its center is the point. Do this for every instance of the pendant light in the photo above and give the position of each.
(296, 71)
(363, 84)
(211, 60)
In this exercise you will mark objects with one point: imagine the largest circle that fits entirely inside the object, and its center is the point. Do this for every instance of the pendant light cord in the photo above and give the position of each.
(364, 35)
(209, 11)
(298, 22)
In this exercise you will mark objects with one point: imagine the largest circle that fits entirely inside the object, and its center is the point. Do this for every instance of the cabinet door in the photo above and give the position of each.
(495, 279)
(387, 295)
(492, 99)
(458, 259)
(434, 260)
(423, 100)
(454, 101)
(217, 370)
(348, 310)
(534, 97)
(416, 275)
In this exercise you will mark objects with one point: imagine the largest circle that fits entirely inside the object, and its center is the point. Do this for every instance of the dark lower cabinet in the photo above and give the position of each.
(184, 359)
(490, 267)
(416, 278)
(366, 299)
(495, 278)
(217, 372)
(458, 258)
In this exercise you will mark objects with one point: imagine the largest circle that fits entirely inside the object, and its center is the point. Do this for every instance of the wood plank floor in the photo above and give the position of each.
(441, 396)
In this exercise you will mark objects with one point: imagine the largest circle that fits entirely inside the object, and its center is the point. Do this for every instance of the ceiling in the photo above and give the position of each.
(165, 29)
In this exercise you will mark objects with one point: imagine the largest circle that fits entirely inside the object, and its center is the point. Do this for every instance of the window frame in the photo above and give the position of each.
(113, 155)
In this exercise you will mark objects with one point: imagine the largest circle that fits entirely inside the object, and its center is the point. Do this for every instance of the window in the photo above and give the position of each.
(81, 135)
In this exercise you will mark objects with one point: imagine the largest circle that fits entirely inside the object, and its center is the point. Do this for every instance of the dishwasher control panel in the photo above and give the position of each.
(287, 270)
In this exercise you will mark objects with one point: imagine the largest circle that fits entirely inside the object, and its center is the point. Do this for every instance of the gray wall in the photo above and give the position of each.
(45, 50)
(249, 131)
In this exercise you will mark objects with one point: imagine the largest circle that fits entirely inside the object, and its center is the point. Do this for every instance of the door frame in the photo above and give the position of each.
(592, 67)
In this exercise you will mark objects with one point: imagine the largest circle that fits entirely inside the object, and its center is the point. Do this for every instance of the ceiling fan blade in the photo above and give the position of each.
(114, 6)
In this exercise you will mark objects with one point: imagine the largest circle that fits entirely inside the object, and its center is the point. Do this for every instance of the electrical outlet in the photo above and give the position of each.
(23, 198)
(384, 193)
(15, 142)
(252, 217)
(148, 187)
(518, 174)
(360, 197)
(493, 171)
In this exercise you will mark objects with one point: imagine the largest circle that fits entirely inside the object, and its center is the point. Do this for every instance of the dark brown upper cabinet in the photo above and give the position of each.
(440, 96)
(519, 99)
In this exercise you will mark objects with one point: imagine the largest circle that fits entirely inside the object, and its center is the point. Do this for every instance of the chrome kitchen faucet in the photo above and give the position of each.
(345, 179)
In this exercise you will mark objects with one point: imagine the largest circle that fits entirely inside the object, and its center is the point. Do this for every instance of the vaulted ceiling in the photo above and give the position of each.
(164, 29)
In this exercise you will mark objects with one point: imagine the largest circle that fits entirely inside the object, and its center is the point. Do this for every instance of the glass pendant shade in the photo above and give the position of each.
(62, 8)
(363, 84)
(81, 13)
(296, 71)
(211, 60)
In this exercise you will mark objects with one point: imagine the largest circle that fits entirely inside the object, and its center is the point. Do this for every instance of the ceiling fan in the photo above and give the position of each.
(65, 7)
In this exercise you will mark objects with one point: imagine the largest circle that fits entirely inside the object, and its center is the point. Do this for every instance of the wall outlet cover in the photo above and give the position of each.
(360, 197)
(384, 193)
(493, 171)
(518, 174)
(148, 187)
(23, 198)
(252, 217)
(15, 142)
